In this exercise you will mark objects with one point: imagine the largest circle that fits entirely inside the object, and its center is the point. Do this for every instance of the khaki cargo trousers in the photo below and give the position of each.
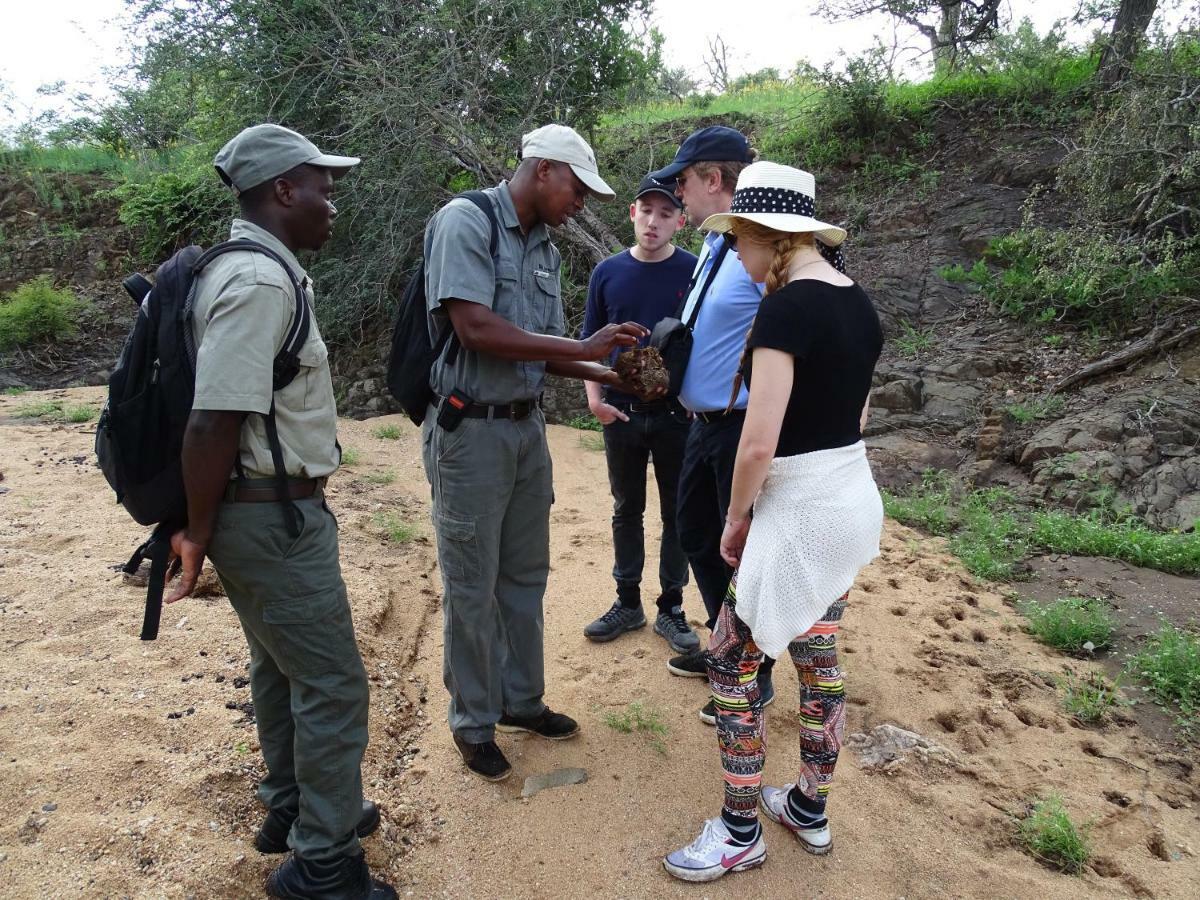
(306, 676)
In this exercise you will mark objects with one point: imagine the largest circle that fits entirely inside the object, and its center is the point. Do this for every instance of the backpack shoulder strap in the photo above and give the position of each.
(287, 360)
(481, 200)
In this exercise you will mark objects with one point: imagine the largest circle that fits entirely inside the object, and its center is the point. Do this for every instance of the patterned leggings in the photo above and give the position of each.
(733, 660)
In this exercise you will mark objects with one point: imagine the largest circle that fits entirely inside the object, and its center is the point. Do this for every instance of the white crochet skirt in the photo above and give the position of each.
(816, 523)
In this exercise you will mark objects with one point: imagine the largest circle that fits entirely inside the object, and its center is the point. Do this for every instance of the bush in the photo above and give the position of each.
(1169, 662)
(992, 537)
(1089, 699)
(1086, 275)
(36, 311)
(1070, 623)
(1105, 533)
(1051, 837)
(186, 204)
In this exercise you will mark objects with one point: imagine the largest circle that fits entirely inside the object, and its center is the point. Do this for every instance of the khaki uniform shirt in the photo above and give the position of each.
(243, 306)
(521, 285)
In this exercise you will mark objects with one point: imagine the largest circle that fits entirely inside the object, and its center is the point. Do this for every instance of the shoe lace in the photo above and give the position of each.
(676, 620)
(613, 615)
(709, 838)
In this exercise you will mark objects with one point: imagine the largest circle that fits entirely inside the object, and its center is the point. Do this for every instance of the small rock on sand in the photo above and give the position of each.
(557, 778)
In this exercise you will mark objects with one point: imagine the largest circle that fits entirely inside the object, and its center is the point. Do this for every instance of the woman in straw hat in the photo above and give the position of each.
(804, 515)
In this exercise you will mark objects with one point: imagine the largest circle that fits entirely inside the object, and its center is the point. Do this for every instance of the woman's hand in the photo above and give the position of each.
(733, 540)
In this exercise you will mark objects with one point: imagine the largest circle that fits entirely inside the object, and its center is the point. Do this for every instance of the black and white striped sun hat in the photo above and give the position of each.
(778, 197)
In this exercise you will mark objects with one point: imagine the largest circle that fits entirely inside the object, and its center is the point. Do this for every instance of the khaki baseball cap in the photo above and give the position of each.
(263, 152)
(563, 144)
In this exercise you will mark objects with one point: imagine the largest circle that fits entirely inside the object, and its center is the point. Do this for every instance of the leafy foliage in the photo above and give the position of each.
(1070, 623)
(1050, 835)
(37, 311)
(1169, 662)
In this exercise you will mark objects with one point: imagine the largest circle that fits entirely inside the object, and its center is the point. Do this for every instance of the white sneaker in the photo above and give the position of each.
(714, 853)
(774, 802)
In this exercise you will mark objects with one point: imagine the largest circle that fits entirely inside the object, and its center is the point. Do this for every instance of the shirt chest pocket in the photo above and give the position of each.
(546, 299)
(305, 391)
(505, 302)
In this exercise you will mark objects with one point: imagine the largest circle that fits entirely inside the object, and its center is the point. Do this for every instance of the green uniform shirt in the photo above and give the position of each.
(521, 285)
(242, 309)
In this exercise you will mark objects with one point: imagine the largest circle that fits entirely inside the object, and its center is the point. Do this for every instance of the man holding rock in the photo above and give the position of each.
(484, 438)
(643, 284)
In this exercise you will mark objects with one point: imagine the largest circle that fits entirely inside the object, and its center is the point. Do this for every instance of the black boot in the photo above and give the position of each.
(272, 834)
(343, 878)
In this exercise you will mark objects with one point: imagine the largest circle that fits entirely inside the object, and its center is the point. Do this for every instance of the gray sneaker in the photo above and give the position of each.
(615, 623)
(674, 627)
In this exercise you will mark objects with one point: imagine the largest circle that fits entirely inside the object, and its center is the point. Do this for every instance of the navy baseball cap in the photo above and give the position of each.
(717, 143)
(651, 185)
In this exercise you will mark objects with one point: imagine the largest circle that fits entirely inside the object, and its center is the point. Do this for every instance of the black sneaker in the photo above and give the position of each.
(615, 623)
(708, 712)
(674, 627)
(550, 725)
(485, 759)
(689, 665)
(346, 876)
(272, 835)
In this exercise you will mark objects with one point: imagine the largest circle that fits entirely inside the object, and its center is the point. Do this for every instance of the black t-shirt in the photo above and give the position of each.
(834, 334)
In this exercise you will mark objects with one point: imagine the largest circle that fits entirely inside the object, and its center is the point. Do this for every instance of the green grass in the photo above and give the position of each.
(1169, 663)
(926, 506)
(592, 442)
(637, 718)
(394, 528)
(388, 432)
(350, 456)
(75, 159)
(991, 532)
(56, 411)
(1024, 412)
(1089, 699)
(912, 342)
(585, 423)
(14, 391)
(1071, 622)
(1050, 836)
(387, 476)
(991, 538)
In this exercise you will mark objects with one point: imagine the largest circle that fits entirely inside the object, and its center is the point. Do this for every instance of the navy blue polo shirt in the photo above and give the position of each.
(625, 289)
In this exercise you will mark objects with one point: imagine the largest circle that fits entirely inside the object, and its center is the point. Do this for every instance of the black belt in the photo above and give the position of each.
(517, 410)
(717, 415)
(260, 491)
(637, 406)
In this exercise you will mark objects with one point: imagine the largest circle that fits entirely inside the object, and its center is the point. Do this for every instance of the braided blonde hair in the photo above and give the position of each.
(786, 245)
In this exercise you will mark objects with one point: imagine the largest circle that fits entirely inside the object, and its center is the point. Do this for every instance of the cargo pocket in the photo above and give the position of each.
(458, 551)
(311, 634)
(313, 356)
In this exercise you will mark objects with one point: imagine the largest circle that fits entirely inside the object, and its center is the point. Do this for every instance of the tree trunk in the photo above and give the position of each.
(1129, 28)
(945, 46)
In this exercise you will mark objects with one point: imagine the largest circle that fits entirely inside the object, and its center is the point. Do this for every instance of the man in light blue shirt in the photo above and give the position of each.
(705, 172)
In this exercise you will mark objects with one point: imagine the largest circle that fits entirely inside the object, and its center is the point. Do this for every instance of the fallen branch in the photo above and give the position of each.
(1157, 339)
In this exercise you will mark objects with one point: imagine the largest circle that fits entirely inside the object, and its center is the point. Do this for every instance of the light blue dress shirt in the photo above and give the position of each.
(719, 335)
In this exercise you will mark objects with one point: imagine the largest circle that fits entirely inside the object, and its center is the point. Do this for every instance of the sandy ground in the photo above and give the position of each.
(105, 794)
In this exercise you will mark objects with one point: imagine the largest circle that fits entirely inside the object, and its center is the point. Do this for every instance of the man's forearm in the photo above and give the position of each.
(595, 395)
(480, 329)
(210, 447)
(594, 374)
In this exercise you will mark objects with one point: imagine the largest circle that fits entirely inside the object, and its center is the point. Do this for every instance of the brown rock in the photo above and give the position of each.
(644, 369)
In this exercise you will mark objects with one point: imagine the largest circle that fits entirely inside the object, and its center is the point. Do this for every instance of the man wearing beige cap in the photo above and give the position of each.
(485, 437)
(266, 527)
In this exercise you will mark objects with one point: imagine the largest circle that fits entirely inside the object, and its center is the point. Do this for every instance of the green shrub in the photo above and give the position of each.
(37, 311)
(1069, 623)
(186, 204)
(388, 432)
(1035, 410)
(1085, 275)
(911, 342)
(1100, 533)
(394, 528)
(1169, 662)
(585, 423)
(926, 505)
(1051, 837)
(350, 456)
(1089, 699)
(992, 538)
(385, 477)
(637, 718)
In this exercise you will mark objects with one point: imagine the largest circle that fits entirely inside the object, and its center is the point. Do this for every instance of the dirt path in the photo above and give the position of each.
(106, 795)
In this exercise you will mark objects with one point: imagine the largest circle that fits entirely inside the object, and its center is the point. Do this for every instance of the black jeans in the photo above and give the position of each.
(629, 446)
(704, 488)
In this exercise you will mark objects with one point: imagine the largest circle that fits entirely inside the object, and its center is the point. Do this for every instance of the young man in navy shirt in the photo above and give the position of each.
(643, 284)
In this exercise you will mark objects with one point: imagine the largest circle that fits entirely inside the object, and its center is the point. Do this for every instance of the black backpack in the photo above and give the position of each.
(139, 438)
(413, 356)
